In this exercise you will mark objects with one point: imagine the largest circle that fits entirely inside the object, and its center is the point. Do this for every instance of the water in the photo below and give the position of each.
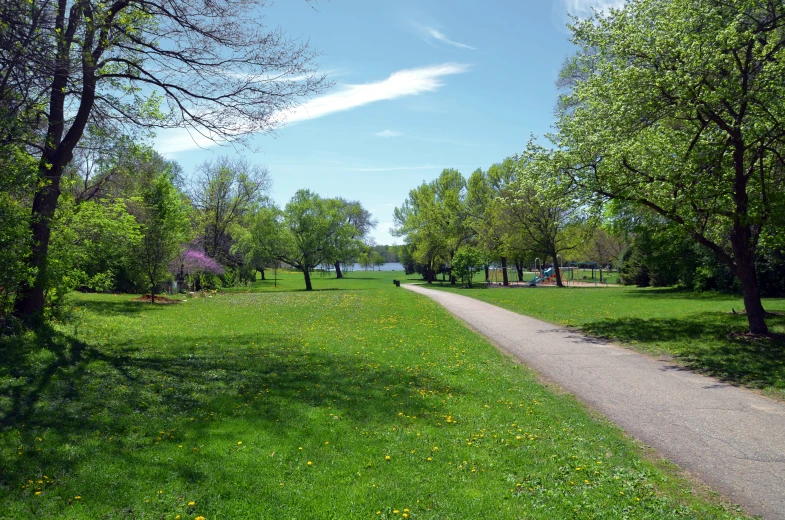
(390, 266)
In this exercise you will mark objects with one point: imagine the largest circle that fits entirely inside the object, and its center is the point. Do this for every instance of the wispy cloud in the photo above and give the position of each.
(388, 133)
(406, 82)
(396, 168)
(429, 34)
(584, 8)
(178, 140)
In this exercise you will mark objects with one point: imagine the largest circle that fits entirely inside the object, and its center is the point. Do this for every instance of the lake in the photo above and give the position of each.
(390, 266)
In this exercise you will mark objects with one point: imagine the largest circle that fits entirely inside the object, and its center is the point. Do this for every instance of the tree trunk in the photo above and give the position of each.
(307, 275)
(519, 268)
(57, 154)
(338, 273)
(487, 274)
(30, 299)
(261, 271)
(745, 270)
(504, 272)
(557, 270)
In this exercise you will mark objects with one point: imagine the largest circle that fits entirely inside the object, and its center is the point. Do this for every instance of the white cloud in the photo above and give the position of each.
(396, 168)
(388, 133)
(406, 82)
(178, 140)
(429, 34)
(583, 8)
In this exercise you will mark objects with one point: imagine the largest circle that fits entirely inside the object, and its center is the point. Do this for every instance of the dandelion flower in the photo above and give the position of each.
(191, 503)
(387, 457)
(310, 463)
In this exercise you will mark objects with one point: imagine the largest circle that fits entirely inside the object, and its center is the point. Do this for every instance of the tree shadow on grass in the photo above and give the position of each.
(120, 307)
(705, 342)
(56, 386)
(676, 293)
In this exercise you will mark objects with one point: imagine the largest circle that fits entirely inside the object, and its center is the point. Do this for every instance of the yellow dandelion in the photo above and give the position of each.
(239, 443)
(37, 492)
(387, 457)
(191, 503)
(77, 497)
(310, 463)
(199, 518)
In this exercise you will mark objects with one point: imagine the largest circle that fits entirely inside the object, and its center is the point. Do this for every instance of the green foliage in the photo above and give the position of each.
(91, 243)
(433, 221)
(467, 261)
(695, 136)
(18, 168)
(308, 232)
(165, 228)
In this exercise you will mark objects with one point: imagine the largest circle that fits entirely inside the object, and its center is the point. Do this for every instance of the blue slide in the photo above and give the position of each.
(545, 274)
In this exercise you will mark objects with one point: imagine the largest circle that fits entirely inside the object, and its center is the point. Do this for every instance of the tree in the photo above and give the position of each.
(302, 235)
(208, 65)
(543, 208)
(467, 261)
(164, 229)
(225, 190)
(348, 246)
(683, 113)
(376, 259)
(433, 221)
(92, 243)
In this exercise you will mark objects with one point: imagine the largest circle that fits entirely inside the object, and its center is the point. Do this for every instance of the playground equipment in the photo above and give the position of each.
(546, 276)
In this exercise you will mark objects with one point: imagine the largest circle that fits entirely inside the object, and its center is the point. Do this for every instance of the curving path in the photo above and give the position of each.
(730, 438)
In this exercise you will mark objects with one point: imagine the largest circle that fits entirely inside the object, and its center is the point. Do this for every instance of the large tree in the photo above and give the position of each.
(303, 235)
(209, 65)
(165, 227)
(349, 246)
(679, 107)
(542, 209)
(433, 220)
(225, 190)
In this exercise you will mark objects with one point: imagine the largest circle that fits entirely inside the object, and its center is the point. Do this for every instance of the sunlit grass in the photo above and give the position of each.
(356, 400)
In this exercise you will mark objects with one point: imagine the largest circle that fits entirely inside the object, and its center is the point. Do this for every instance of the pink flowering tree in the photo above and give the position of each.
(195, 267)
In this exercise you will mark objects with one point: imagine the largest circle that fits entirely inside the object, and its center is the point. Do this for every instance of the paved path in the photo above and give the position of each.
(730, 438)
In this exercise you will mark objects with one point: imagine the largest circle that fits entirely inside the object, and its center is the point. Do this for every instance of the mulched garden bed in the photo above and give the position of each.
(163, 300)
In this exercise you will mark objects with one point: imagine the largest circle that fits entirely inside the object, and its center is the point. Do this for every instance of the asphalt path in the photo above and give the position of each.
(729, 438)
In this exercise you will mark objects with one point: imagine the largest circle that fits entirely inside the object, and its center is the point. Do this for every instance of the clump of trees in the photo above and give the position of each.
(77, 74)
(309, 231)
(668, 155)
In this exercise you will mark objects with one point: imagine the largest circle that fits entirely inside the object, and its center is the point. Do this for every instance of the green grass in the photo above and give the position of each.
(699, 330)
(286, 404)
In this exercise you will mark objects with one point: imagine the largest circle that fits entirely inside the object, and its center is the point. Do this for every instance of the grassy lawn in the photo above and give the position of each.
(357, 400)
(696, 329)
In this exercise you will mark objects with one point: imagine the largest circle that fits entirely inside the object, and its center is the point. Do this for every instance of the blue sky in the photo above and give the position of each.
(419, 86)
